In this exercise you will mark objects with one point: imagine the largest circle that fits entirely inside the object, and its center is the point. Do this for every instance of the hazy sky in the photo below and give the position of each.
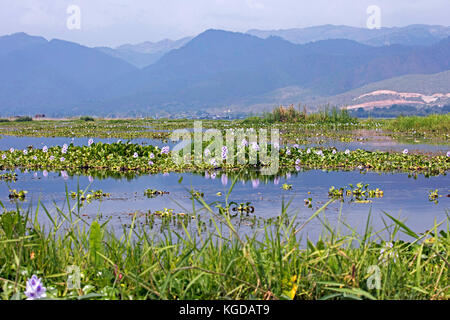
(114, 22)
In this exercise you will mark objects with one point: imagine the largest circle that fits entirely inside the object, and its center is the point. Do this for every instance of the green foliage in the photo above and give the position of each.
(95, 243)
(87, 118)
(24, 119)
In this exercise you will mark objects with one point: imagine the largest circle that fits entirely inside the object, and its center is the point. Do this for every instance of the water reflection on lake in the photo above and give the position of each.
(403, 196)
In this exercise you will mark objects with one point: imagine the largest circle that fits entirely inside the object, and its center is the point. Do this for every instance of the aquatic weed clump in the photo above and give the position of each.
(122, 157)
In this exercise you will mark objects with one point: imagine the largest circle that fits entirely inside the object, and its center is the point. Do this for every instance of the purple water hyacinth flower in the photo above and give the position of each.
(11, 150)
(224, 179)
(347, 152)
(296, 146)
(207, 176)
(135, 155)
(25, 151)
(34, 158)
(52, 158)
(288, 151)
(213, 162)
(45, 173)
(405, 151)
(244, 143)
(3, 156)
(276, 145)
(308, 151)
(90, 142)
(334, 151)
(45, 149)
(297, 162)
(255, 146)
(207, 152)
(213, 175)
(35, 289)
(62, 159)
(165, 150)
(64, 175)
(150, 163)
(91, 179)
(152, 156)
(288, 175)
(297, 168)
(224, 152)
(255, 183)
(448, 154)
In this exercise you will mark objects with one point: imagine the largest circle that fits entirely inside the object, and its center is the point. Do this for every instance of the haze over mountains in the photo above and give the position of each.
(216, 70)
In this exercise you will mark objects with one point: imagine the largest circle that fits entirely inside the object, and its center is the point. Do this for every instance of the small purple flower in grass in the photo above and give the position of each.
(35, 289)
(90, 142)
(165, 150)
(405, 151)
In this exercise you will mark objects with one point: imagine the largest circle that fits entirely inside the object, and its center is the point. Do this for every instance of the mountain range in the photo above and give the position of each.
(213, 71)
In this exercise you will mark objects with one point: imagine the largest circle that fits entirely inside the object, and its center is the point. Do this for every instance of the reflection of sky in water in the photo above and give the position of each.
(403, 196)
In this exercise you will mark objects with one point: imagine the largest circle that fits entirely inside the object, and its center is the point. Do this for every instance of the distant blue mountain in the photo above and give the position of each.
(215, 69)
(412, 35)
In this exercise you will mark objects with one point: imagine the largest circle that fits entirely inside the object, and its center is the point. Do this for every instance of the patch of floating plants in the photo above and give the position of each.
(150, 193)
(121, 157)
(360, 193)
(8, 177)
(89, 196)
(17, 195)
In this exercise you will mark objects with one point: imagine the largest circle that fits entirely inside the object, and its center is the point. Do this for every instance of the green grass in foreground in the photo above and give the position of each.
(187, 261)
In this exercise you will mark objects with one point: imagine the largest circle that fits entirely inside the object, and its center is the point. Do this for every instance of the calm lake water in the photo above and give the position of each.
(404, 197)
